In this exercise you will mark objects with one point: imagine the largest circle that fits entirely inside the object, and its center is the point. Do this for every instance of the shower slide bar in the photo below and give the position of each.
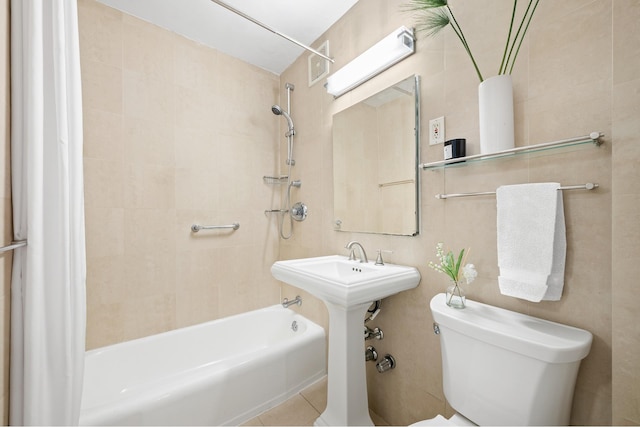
(266, 27)
(195, 227)
(14, 245)
(587, 186)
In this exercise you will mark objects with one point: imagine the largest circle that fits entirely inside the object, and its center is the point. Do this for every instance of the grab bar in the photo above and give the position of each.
(587, 186)
(14, 245)
(195, 227)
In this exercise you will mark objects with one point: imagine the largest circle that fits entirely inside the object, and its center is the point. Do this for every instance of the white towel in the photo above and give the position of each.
(532, 242)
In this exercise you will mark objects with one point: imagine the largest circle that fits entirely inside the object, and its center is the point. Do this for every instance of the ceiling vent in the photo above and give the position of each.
(318, 66)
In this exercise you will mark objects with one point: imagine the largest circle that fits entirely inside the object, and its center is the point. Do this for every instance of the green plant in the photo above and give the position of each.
(434, 15)
(450, 265)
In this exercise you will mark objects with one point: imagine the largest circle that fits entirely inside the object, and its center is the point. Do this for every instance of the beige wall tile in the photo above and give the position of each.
(626, 200)
(100, 32)
(5, 208)
(177, 134)
(558, 94)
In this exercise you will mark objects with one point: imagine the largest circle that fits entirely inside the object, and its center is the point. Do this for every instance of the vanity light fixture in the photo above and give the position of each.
(387, 52)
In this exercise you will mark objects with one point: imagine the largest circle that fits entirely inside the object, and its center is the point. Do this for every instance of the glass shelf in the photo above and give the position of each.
(594, 138)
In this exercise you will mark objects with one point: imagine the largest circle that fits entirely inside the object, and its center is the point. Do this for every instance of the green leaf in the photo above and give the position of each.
(433, 21)
(415, 5)
(459, 262)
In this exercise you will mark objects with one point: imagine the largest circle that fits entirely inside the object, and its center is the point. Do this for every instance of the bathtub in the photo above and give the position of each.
(222, 372)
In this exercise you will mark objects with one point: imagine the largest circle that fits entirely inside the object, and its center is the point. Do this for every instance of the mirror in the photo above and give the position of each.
(375, 162)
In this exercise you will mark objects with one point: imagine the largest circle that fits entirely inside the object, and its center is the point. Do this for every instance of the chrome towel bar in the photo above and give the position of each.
(587, 186)
(14, 245)
(195, 227)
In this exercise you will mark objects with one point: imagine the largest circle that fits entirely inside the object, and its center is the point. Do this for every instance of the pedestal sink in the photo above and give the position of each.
(347, 288)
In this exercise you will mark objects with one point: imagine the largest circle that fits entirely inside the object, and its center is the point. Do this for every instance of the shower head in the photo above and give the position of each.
(278, 111)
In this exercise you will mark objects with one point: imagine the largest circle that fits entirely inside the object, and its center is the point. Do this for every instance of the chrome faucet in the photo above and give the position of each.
(362, 254)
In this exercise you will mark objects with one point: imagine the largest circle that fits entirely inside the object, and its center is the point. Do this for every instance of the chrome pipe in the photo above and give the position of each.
(286, 303)
(266, 27)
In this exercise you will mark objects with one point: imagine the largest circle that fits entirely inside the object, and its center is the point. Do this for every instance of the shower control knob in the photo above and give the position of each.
(370, 354)
(386, 364)
(299, 211)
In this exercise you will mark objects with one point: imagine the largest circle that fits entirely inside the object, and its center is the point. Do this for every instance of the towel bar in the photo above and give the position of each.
(587, 186)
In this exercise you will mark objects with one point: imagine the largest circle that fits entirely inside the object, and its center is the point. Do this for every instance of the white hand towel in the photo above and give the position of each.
(531, 241)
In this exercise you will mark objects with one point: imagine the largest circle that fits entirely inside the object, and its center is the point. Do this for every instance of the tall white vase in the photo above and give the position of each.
(495, 96)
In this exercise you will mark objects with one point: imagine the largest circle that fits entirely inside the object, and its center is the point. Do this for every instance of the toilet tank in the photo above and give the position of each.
(500, 367)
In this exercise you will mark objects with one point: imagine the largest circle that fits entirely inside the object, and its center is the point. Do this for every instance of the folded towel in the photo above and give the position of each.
(531, 241)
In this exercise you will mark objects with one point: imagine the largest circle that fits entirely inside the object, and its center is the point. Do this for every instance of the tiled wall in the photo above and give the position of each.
(175, 134)
(5, 209)
(626, 212)
(150, 172)
(567, 82)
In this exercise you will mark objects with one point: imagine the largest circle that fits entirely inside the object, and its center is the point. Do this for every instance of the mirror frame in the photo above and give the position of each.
(416, 162)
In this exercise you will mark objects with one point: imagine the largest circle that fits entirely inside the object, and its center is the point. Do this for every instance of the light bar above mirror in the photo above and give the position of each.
(387, 52)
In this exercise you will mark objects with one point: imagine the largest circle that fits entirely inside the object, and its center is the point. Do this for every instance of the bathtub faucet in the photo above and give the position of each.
(286, 303)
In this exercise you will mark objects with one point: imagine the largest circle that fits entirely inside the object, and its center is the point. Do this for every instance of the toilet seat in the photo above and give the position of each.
(439, 420)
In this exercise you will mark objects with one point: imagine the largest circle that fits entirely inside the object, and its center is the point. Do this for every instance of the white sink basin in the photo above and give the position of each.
(337, 280)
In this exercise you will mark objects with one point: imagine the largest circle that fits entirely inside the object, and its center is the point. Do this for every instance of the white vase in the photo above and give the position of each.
(495, 96)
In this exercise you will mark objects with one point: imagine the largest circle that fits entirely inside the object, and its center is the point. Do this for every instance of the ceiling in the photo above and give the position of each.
(211, 24)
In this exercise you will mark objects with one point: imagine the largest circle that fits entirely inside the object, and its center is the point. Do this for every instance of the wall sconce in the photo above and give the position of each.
(387, 52)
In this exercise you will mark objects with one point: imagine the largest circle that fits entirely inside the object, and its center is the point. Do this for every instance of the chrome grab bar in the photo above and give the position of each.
(14, 245)
(195, 227)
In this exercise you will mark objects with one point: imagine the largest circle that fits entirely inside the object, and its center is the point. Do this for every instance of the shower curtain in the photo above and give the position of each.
(48, 277)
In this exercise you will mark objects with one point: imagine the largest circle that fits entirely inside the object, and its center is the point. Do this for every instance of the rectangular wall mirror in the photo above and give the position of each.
(376, 146)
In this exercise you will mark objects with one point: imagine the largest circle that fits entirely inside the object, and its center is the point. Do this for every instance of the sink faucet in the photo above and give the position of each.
(352, 246)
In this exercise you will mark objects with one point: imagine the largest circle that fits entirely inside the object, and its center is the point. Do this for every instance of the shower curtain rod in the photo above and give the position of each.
(266, 27)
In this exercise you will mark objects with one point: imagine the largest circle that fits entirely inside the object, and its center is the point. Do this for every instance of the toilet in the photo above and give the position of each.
(500, 367)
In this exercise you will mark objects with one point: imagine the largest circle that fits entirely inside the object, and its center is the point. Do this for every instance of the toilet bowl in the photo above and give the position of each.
(491, 355)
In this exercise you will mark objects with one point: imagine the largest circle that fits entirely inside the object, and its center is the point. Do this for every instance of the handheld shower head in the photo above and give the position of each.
(278, 111)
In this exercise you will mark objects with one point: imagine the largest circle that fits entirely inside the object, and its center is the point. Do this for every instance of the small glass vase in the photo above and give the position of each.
(455, 296)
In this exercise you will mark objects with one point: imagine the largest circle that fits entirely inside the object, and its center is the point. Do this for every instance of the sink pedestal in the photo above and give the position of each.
(347, 403)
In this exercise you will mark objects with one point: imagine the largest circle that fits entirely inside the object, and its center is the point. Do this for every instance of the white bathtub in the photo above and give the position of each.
(222, 372)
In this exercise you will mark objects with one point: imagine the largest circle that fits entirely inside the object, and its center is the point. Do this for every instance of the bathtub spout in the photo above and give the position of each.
(286, 303)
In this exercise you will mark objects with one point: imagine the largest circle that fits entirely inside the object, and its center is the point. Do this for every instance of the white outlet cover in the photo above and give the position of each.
(436, 131)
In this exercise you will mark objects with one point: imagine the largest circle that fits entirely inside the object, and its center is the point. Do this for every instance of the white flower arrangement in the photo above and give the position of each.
(451, 266)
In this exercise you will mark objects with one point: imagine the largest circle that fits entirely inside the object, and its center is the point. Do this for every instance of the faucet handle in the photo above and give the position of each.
(379, 260)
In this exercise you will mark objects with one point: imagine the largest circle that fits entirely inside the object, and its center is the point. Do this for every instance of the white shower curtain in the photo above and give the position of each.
(48, 279)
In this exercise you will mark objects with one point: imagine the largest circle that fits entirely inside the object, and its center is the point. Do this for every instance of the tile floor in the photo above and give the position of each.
(302, 409)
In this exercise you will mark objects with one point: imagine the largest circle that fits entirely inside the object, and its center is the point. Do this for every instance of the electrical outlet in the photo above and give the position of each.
(436, 131)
